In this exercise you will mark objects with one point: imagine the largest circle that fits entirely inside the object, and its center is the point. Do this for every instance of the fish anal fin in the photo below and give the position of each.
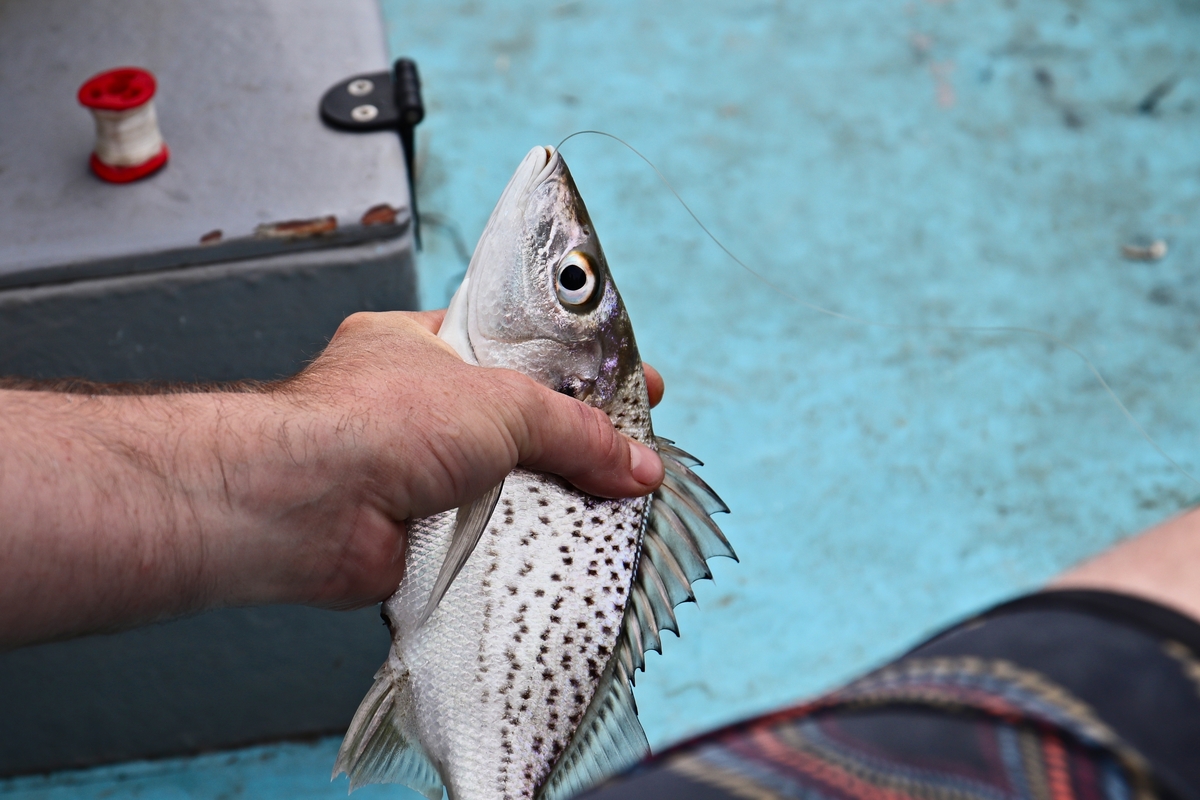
(381, 745)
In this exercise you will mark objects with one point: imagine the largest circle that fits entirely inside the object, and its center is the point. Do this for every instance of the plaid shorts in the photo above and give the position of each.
(1064, 695)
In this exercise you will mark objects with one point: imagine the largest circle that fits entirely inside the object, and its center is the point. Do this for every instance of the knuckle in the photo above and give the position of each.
(357, 321)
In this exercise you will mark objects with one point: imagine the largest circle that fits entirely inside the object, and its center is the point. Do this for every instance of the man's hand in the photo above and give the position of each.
(120, 510)
(409, 430)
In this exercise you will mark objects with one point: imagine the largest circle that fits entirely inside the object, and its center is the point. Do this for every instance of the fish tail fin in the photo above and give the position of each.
(381, 745)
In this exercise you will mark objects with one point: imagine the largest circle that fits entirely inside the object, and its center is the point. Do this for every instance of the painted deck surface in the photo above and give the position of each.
(958, 162)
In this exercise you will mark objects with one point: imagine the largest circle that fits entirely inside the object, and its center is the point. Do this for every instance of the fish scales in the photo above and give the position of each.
(547, 595)
(523, 615)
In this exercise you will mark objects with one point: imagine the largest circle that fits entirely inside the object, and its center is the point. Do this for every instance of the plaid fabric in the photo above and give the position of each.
(921, 729)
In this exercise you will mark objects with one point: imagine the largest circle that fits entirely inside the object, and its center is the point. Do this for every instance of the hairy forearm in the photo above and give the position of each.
(123, 505)
(120, 510)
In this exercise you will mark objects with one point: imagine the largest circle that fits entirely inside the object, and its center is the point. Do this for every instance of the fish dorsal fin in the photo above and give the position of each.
(609, 739)
(381, 747)
(679, 539)
(468, 527)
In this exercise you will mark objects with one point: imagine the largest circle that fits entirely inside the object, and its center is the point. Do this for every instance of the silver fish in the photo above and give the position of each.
(523, 615)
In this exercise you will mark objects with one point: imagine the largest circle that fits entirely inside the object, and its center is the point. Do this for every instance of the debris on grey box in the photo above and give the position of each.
(382, 214)
(297, 228)
(1145, 252)
(212, 237)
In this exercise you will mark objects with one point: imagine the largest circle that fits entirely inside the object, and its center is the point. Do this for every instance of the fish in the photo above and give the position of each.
(523, 616)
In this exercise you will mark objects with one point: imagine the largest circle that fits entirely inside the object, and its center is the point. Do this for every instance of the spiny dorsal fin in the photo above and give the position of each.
(679, 539)
(379, 747)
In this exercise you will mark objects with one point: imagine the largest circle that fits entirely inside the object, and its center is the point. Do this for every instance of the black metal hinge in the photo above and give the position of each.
(380, 101)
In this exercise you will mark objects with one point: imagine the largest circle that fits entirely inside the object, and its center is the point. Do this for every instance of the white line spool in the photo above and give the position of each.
(129, 144)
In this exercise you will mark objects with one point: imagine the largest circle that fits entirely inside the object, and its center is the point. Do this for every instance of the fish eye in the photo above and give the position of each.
(575, 280)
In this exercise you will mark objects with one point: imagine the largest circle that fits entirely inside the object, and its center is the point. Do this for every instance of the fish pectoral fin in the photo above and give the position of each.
(609, 740)
(381, 745)
(468, 527)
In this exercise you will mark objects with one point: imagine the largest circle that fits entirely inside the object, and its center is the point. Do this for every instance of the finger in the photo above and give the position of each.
(429, 320)
(559, 434)
(654, 384)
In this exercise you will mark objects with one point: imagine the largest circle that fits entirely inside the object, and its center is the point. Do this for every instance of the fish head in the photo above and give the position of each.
(538, 297)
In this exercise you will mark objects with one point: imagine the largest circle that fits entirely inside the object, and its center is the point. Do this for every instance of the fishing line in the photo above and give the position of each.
(1010, 329)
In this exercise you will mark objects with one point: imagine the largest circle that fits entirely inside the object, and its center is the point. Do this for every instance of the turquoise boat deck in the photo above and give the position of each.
(924, 163)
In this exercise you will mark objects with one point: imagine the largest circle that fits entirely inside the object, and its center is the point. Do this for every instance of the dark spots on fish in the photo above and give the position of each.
(576, 534)
(564, 548)
(555, 619)
(525, 695)
(608, 537)
(544, 520)
(593, 669)
(525, 542)
(605, 629)
(630, 541)
(554, 576)
(522, 609)
(537, 744)
(614, 576)
(602, 650)
(554, 606)
(568, 560)
(597, 521)
(589, 600)
(539, 592)
(526, 568)
(581, 625)
(508, 520)
(571, 509)
(566, 660)
(544, 635)
(511, 589)
(534, 490)
(592, 573)
(620, 526)
(620, 590)
(606, 589)
(543, 502)
(624, 565)
(541, 659)
(616, 548)
(547, 675)
(524, 629)
(600, 614)
(608, 562)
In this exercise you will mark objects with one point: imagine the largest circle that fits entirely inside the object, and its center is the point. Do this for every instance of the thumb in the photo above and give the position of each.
(559, 434)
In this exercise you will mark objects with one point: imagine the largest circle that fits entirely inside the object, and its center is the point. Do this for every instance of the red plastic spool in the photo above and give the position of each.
(121, 90)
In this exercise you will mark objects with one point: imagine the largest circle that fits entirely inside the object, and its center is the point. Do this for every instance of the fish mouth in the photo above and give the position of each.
(541, 162)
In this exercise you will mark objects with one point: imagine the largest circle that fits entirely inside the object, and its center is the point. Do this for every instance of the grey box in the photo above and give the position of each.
(111, 282)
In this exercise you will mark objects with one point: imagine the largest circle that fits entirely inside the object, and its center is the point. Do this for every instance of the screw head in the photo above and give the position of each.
(360, 87)
(364, 113)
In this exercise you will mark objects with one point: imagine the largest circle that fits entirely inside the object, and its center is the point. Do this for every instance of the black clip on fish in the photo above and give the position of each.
(380, 101)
